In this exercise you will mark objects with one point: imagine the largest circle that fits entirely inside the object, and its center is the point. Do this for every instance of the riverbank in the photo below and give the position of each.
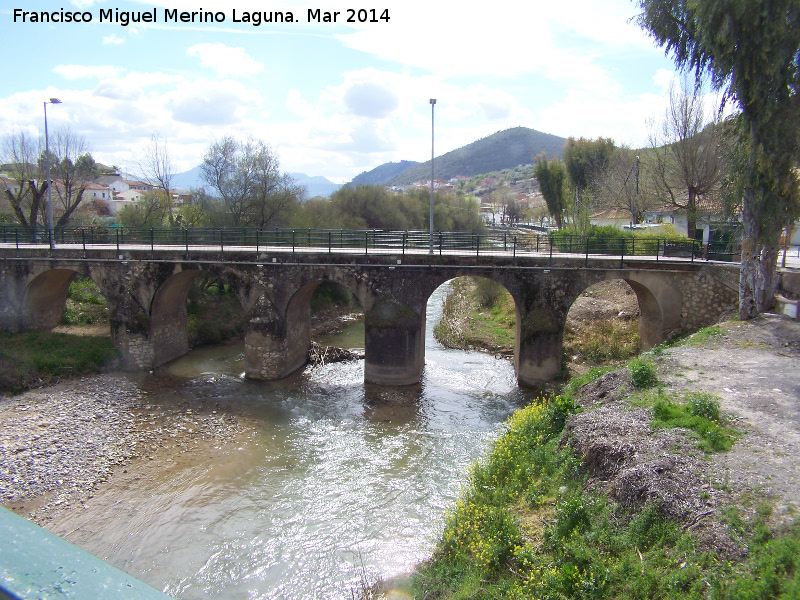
(622, 503)
(61, 444)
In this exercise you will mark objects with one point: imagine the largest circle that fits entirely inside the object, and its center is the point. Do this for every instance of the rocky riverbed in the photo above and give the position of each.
(59, 444)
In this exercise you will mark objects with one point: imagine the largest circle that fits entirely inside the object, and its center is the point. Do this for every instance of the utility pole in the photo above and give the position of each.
(433, 103)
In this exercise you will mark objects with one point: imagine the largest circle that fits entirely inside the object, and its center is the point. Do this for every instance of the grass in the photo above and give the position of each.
(602, 340)
(478, 314)
(85, 303)
(33, 358)
(698, 412)
(704, 336)
(525, 527)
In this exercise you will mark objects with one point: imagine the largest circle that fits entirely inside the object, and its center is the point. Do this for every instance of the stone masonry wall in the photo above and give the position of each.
(705, 298)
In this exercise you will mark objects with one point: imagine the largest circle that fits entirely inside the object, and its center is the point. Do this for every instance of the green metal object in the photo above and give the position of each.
(35, 563)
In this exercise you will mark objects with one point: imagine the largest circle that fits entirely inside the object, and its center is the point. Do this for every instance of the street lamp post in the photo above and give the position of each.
(47, 158)
(433, 103)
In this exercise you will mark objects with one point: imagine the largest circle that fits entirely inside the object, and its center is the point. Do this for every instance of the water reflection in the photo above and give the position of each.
(336, 474)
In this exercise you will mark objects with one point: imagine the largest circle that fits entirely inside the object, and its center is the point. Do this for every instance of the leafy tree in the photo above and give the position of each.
(246, 176)
(587, 159)
(751, 50)
(149, 211)
(686, 160)
(551, 175)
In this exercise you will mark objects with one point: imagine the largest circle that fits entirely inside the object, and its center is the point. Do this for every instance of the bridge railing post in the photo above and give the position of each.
(515, 246)
(330, 241)
(586, 262)
(117, 232)
(622, 254)
(405, 233)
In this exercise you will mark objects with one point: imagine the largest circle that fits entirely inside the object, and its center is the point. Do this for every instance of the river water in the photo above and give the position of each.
(339, 479)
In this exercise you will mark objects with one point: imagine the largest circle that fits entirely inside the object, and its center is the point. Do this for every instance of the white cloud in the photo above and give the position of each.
(84, 71)
(663, 78)
(112, 40)
(211, 102)
(225, 60)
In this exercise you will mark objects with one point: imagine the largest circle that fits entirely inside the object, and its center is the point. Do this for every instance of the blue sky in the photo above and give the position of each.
(332, 99)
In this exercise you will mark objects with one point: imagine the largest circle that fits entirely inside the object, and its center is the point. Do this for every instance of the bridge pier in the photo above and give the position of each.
(539, 345)
(394, 344)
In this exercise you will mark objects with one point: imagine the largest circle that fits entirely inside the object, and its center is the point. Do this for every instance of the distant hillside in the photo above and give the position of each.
(316, 185)
(502, 150)
(384, 173)
(188, 180)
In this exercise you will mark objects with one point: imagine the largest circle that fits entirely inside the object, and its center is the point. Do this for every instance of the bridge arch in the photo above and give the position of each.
(45, 298)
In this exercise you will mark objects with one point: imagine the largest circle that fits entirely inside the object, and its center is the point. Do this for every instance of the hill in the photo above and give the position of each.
(384, 173)
(316, 185)
(501, 150)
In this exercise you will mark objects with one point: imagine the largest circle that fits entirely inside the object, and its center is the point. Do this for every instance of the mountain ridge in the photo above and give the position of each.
(504, 149)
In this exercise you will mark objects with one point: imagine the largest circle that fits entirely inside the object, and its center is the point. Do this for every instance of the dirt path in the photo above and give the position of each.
(754, 367)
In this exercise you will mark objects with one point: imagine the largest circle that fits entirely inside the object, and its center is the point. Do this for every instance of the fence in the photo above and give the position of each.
(359, 241)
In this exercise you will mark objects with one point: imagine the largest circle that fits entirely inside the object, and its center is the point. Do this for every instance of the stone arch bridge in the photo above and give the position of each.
(147, 291)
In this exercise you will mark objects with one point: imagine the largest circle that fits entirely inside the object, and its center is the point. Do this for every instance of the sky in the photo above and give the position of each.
(330, 98)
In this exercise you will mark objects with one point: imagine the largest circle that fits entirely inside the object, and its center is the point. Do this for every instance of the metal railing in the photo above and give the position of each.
(370, 241)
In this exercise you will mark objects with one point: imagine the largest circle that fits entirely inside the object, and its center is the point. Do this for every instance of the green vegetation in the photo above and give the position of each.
(643, 373)
(85, 304)
(607, 238)
(375, 207)
(478, 313)
(704, 335)
(602, 339)
(35, 358)
(213, 312)
(524, 527)
(501, 150)
(699, 412)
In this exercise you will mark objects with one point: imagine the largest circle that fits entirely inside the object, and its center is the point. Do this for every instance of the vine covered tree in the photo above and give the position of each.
(551, 175)
(587, 162)
(751, 51)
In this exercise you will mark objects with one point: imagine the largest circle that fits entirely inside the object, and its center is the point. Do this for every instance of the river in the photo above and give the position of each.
(337, 481)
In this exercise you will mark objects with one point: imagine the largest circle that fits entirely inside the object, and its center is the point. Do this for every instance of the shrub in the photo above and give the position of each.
(704, 405)
(643, 373)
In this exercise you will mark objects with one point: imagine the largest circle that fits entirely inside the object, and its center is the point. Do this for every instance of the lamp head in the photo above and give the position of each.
(55, 101)
(433, 100)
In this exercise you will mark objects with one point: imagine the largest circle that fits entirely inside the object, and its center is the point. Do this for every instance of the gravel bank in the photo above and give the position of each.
(59, 444)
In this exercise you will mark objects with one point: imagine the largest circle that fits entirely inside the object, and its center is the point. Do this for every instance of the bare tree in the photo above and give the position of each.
(619, 186)
(26, 193)
(686, 160)
(157, 170)
(72, 169)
